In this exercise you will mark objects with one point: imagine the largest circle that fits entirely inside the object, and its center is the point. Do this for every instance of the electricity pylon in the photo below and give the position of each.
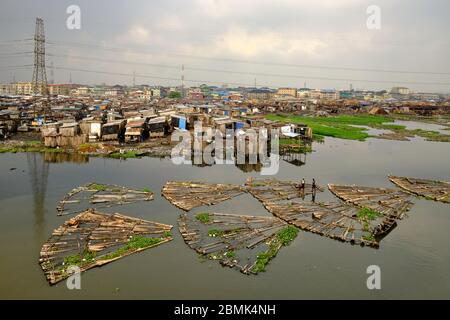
(39, 82)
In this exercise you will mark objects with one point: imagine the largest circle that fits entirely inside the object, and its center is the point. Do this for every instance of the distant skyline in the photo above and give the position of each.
(282, 43)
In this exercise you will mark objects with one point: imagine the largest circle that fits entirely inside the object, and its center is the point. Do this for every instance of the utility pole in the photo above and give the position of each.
(134, 79)
(182, 80)
(39, 82)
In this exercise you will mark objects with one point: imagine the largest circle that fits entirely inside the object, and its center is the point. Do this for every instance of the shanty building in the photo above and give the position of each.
(136, 130)
(114, 130)
(157, 127)
(178, 122)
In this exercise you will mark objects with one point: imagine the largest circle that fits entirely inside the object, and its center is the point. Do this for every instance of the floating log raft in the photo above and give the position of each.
(188, 195)
(246, 243)
(95, 195)
(271, 190)
(430, 189)
(92, 239)
(334, 220)
(389, 202)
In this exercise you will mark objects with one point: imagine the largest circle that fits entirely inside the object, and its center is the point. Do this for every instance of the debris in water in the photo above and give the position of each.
(92, 239)
(246, 243)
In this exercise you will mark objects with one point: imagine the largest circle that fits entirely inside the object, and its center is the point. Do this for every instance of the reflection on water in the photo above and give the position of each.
(296, 159)
(293, 154)
(38, 170)
(57, 157)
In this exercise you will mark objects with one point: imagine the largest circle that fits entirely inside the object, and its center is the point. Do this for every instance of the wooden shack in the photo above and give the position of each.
(92, 128)
(136, 130)
(70, 129)
(50, 129)
(113, 131)
(224, 124)
(157, 127)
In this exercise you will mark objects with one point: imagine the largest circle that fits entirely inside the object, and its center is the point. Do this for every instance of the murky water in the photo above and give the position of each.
(414, 258)
(412, 125)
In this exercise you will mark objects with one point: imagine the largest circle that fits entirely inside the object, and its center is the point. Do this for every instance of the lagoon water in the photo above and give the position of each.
(414, 258)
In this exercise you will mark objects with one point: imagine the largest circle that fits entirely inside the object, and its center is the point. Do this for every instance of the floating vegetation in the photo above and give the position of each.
(430, 189)
(129, 154)
(246, 243)
(376, 201)
(189, 195)
(92, 239)
(99, 196)
(368, 214)
(203, 217)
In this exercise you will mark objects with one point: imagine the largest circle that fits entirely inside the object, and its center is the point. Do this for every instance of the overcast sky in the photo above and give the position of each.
(282, 38)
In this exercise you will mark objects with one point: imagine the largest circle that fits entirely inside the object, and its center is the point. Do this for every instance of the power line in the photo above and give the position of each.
(17, 67)
(234, 83)
(15, 54)
(15, 41)
(248, 73)
(121, 49)
(113, 61)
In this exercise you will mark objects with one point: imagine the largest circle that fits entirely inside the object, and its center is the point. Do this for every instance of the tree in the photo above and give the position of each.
(174, 95)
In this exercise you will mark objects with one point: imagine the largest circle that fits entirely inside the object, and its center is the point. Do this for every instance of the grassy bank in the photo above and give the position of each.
(337, 127)
(343, 127)
(30, 146)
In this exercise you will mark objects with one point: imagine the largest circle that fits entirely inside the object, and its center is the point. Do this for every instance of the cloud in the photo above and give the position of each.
(136, 34)
(238, 41)
(170, 21)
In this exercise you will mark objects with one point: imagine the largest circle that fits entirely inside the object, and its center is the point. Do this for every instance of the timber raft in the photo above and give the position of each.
(245, 243)
(335, 220)
(98, 196)
(270, 190)
(389, 202)
(92, 239)
(187, 195)
(430, 189)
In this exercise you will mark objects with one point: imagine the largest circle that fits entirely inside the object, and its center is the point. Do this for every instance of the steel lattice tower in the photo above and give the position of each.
(39, 82)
